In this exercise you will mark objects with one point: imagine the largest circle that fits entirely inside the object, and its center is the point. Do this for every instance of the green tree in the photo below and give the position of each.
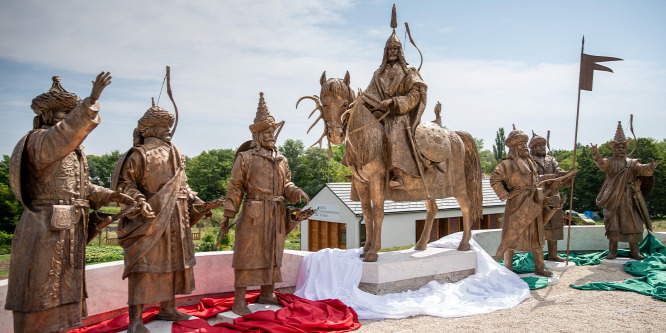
(311, 169)
(10, 207)
(499, 149)
(648, 150)
(209, 173)
(101, 168)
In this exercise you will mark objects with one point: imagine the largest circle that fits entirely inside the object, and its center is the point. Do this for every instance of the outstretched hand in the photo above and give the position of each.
(300, 195)
(102, 80)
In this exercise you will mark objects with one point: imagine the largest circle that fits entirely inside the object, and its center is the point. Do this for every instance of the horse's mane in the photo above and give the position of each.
(366, 139)
(335, 86)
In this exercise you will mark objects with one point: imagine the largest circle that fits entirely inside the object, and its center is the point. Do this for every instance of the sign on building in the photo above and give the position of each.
(330, 213)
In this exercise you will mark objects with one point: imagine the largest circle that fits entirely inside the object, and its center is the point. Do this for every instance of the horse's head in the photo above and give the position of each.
(336, 96)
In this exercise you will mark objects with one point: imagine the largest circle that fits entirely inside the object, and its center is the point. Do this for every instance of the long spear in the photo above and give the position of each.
(588, 64)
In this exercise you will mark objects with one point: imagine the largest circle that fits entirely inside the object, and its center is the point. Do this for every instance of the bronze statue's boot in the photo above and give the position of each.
(267, 295)
(633, 249)
(552, 251)
(539, 265)
(508, 259)
(240, 306)
(168, 312)
(135, 320)
(612, 250)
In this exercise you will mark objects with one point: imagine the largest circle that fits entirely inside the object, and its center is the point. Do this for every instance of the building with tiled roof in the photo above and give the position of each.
(339, 223)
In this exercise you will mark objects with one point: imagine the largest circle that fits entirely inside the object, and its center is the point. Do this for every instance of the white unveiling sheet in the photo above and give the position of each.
(335, 274)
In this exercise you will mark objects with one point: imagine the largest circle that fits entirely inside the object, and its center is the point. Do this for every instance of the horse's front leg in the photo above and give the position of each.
(431, 208)
(465, 207)
(366, 206)
(377, 197)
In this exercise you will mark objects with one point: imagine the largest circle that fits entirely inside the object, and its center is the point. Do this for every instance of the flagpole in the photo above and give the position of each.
(574, 152)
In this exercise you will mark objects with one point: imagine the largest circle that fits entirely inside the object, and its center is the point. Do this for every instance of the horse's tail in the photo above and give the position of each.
(472, 176)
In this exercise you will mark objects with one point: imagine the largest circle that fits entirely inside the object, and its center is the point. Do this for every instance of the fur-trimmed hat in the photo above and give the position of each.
(515, 138)
(536, 139)
(56, 99)
(156, 117)
(263, 118)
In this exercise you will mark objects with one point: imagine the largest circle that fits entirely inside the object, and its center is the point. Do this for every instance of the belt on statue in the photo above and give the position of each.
(73, 202)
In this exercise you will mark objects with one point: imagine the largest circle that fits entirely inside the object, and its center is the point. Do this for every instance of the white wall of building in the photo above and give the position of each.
(327, 202)
(397, 229)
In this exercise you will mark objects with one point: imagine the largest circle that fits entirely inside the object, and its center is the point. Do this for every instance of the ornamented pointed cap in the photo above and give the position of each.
(56, 99)
(156, 116)
(263, 119)
(515, 138)
(536, 139)
(619, 136)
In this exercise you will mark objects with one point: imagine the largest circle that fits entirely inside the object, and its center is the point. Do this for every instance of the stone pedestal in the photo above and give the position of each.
(404, 270)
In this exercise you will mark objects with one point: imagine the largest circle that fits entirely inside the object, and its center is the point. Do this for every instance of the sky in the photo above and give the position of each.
(491, 64)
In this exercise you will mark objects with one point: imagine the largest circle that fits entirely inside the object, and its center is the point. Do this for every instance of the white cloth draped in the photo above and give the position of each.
(335, 274)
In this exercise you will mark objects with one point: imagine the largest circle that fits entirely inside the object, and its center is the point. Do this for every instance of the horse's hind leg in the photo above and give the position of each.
(431, 207)
(465, 206)
(366, 206)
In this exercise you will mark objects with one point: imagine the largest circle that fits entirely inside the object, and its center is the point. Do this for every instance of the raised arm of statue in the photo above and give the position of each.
(47, 146)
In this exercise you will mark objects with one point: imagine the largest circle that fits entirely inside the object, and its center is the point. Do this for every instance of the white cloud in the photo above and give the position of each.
(222, 53)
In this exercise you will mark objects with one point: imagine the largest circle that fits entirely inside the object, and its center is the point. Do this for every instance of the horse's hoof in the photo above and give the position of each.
(463, 246)
(420, 247)
(362, 254)
(371, 257)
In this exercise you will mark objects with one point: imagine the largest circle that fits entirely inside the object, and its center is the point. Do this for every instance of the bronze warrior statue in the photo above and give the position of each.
(261, 176)
(515, 180)
(49, 175)
(397, 92)
(548, 168)
(391, 155)
(621, 195)
(159, 253)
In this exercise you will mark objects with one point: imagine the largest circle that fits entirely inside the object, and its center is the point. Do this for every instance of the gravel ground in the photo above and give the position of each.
(556, 308)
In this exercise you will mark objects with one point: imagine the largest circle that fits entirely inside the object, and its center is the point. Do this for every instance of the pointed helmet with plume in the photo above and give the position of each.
(619, 137)
(536, 139)
(263, 118)
(393, 40)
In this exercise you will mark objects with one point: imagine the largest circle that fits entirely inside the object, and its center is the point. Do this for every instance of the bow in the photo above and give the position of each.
(631, 128)
(168, 83)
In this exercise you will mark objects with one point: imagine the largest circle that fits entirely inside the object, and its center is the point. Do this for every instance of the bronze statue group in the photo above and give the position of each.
(49, 174)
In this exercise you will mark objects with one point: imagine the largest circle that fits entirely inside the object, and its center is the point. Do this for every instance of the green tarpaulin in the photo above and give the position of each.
(652, 269)
(652, 272)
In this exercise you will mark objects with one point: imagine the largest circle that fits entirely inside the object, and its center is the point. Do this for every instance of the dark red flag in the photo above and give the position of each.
(588, 64)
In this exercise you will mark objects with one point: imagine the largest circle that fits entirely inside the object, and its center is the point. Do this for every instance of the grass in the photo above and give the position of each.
(659, 225)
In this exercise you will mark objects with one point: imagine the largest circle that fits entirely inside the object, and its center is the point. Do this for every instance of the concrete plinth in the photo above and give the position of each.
(404, 270)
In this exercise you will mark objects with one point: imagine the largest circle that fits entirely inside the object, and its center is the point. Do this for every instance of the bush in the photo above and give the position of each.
(210, 238)
(103, 253)
(5, 242)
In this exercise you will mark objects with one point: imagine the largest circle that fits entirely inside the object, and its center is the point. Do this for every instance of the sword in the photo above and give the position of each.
(418, 159)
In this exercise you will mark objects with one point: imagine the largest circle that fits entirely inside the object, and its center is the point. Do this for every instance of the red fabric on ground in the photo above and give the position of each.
(297, 315)
(117, 324)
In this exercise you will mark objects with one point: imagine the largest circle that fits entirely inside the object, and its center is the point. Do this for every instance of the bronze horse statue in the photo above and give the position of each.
(366, 155)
